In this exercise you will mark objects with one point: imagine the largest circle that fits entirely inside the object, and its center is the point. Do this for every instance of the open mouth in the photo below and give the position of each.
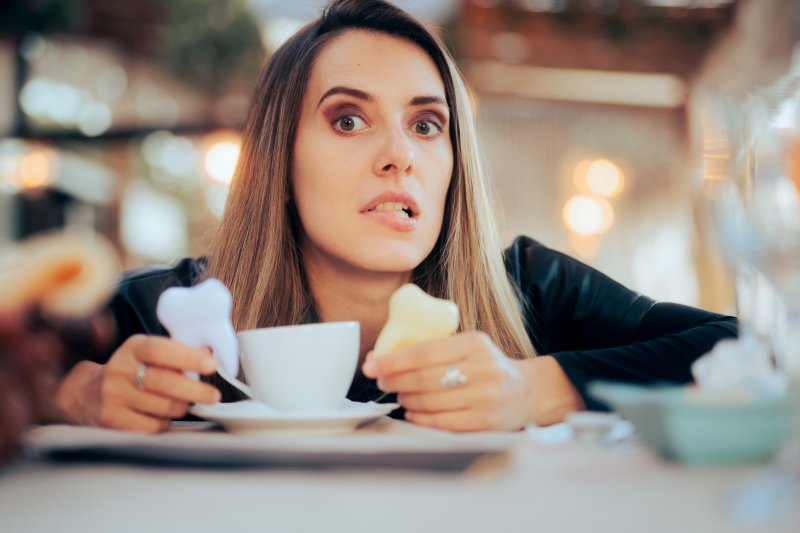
(400, 209)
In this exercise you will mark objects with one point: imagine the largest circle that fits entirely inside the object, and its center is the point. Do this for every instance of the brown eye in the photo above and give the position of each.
(349, 123)
(426, 128)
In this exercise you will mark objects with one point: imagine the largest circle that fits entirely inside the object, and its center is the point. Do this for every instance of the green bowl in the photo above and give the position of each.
(694, 428)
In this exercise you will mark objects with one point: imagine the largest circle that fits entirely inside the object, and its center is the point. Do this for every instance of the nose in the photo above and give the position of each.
(396, 155)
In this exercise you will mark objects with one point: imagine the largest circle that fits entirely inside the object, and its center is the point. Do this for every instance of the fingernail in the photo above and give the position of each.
(208, 365)
(369, 367)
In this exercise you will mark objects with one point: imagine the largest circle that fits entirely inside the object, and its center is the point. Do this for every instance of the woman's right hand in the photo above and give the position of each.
(113, 396)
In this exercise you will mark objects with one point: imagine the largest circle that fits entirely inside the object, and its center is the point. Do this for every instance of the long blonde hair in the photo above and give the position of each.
(256, 249)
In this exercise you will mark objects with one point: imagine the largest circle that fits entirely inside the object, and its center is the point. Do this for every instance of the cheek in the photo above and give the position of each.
(441, 182)
(314, 200)
(312, 177)
(322, 190)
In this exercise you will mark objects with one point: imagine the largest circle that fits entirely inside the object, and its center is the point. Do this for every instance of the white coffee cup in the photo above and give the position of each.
(308, 367)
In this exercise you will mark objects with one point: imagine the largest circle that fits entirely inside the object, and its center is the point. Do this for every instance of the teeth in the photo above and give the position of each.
(392, 206)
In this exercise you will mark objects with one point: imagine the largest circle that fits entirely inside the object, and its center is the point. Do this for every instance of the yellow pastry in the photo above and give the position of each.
(415, 316)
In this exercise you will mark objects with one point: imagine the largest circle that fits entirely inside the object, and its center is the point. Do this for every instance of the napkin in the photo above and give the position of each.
(199, 316)
(739, 365)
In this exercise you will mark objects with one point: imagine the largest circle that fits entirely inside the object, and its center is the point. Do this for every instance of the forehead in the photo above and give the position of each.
(377, 63)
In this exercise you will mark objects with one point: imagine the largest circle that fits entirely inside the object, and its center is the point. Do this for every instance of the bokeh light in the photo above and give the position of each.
(600, 177)
(221, 156)
(95, 118)
(26, 166)
(604, 178)
(35, 170)
(586, 215)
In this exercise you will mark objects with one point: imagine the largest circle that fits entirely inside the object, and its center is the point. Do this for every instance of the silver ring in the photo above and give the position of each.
(140, 373)
(453, 377)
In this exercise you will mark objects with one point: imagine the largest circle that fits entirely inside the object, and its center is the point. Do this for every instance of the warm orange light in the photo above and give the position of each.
(579, 176)
(37, 169)
(221, 156)
(600, 177)
(604, 178)
(586, 215)
(220, 161)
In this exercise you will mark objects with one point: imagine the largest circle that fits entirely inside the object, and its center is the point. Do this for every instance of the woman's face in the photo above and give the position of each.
(373, 156)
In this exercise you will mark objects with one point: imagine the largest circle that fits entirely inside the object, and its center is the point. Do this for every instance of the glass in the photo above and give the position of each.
(745, 110)
(758, 227)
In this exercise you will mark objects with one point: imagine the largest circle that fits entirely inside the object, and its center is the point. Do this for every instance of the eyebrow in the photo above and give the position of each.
(366, 97)
(426, 100)
(355, 93)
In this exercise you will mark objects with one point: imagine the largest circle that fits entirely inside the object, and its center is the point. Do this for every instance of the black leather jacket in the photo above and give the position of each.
(595, 327)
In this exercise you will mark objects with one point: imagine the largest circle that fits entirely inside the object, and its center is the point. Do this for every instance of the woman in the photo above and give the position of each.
(359, 172)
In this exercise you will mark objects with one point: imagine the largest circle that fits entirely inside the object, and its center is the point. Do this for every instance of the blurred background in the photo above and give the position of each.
(123, 117)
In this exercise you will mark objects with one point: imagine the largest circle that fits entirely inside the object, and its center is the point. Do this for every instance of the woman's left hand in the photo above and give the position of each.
(459, 383)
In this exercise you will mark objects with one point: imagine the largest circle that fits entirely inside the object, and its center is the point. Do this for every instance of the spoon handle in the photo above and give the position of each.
(381, 397)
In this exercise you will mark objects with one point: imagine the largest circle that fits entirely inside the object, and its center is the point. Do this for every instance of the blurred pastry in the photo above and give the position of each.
(52, 290)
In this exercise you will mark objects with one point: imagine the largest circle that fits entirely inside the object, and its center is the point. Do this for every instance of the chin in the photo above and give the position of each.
(390, 257)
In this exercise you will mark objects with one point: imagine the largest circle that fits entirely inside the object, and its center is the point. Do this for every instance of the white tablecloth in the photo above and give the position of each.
(542, 484)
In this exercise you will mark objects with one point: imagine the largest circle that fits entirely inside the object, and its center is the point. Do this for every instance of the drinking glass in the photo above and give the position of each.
(762, 231)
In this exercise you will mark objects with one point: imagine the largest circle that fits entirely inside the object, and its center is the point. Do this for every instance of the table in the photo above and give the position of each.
(565, 487)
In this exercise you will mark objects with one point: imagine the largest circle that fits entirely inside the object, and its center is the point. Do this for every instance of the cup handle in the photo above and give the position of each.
(243, 387)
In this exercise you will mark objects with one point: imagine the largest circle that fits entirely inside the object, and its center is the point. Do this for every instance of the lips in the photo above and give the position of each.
(398, 202)
(395, 210)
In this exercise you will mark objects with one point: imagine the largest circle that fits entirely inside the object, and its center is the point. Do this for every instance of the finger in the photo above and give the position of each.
(437, 352)
(165, 352)
(175, 385)
(427, 379)
(464, 420)
(438, 401)
(148, 403)
(129, 420)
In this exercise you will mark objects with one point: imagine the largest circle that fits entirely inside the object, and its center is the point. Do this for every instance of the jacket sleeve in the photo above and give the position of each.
(597, 329)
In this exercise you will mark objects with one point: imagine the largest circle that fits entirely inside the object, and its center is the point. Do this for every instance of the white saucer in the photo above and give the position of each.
(255, 417)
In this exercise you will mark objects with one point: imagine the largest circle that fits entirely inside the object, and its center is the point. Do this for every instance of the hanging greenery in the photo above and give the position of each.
(211, 43)
(207, 43)
(18, 16)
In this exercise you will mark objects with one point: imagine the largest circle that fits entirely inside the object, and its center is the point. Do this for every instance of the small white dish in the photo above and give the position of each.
(592, 427)
(251, 416)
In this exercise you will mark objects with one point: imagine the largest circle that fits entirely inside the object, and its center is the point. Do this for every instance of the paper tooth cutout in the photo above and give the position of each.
(415, 316)
(199, 316)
